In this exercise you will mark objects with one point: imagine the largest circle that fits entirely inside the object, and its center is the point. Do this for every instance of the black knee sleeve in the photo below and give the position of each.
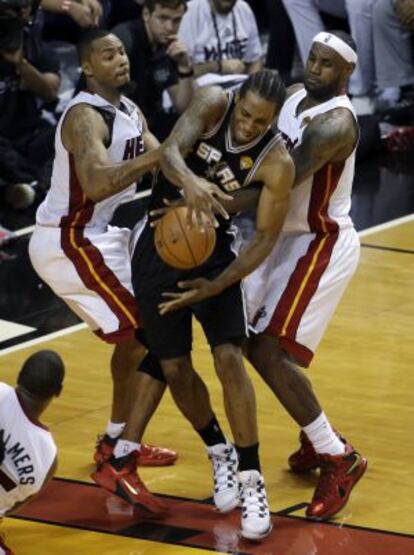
(151, 365)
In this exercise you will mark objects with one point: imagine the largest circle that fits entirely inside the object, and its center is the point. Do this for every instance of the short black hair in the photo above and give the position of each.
(346, 37)
(172, 4)
(42, 374)
(84, 45)
(267, 84)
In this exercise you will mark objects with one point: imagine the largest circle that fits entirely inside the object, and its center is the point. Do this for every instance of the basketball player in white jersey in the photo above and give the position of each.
(28, 454)
(103, 147)
(294, 293)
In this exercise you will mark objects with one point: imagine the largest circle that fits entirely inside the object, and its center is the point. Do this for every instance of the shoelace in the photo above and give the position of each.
(224, 470)
(253, 501)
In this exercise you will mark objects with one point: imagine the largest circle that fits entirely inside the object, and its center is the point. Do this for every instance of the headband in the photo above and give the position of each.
(337, 44)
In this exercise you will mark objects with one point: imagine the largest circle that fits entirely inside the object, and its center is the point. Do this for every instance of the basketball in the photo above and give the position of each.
(180, 246)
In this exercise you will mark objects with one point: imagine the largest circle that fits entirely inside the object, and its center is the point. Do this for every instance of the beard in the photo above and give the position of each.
(322, 93)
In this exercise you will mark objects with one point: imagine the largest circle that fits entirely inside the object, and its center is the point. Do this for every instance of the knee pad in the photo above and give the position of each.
(151, 365)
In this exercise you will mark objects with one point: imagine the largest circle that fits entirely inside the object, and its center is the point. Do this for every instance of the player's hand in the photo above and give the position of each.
(233, 66)
(158, 213)
(203, 197)
(196, 290)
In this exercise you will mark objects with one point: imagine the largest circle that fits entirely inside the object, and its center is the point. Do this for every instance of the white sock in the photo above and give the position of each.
(124, 447)
(115, 429)
(323, 438)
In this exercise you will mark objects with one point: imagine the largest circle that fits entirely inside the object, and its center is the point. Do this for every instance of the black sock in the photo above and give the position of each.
(212, 434)
(248, 457)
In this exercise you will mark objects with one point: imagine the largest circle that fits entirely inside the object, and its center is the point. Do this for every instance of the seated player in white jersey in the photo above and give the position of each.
(102, 147)
(293, 294)
(28, 454)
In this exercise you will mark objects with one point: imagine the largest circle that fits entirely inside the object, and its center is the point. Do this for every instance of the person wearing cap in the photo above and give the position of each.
(292, 296)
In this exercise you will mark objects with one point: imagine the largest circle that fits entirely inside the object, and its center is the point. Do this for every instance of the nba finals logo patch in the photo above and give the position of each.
(246, 163)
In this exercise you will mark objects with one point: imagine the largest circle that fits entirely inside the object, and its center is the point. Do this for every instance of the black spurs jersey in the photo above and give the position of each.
(216, 158)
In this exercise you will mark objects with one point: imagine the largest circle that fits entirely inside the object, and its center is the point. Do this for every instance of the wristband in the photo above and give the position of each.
(185, 74)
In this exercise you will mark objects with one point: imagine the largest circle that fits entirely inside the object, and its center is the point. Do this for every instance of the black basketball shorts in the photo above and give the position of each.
(222, 318)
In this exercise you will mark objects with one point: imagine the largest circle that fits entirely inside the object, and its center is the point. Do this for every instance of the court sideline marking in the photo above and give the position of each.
(78, 327)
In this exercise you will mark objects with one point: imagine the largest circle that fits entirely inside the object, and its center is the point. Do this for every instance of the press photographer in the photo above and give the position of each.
(29, 80)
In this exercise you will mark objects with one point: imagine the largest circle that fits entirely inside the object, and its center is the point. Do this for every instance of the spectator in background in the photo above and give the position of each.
(64, 19)
(393, 23)
(159, 62)
(282, 42)
(29, 79)
(222, 38)
(307, 22)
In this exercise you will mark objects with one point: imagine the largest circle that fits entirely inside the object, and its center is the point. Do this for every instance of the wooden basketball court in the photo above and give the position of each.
(363, 374)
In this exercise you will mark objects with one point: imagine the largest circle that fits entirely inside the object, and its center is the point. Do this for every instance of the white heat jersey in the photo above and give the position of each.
(322, 202)
(66, 205)
(29, 451)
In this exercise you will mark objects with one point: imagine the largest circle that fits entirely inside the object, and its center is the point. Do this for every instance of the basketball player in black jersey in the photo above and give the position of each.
(228, 140)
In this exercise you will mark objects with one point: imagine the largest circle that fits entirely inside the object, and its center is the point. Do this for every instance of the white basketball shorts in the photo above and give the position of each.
(91, 271)
(295, 291)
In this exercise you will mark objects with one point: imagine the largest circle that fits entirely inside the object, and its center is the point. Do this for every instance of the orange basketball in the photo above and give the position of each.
(180, 246)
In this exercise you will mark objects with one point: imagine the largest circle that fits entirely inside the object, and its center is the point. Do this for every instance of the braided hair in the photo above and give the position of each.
(267, 84)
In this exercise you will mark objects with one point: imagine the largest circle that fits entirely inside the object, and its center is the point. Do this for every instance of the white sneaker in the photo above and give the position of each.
(256, 522)
(226, 485)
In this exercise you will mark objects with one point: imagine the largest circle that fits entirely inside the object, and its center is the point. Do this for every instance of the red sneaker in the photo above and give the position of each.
(306, 459)
(120, 476)
(149, 455)
(104, 448)
(339, 475)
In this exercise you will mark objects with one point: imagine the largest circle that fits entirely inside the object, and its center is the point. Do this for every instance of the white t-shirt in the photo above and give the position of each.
(206, 34)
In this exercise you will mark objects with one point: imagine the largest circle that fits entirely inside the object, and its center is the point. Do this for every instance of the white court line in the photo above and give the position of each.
(43, 339)
(387, 225)
(30, 228)
(77, 327)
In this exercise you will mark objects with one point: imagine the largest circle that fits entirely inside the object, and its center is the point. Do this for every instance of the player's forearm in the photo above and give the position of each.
(102, 182)
(184, 92)
(173, 165)
(242, 200)
(248, 260)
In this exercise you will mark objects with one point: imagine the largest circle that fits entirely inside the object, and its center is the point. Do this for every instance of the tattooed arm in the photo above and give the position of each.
(84, 133)
(329, 137)
(206, 108)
